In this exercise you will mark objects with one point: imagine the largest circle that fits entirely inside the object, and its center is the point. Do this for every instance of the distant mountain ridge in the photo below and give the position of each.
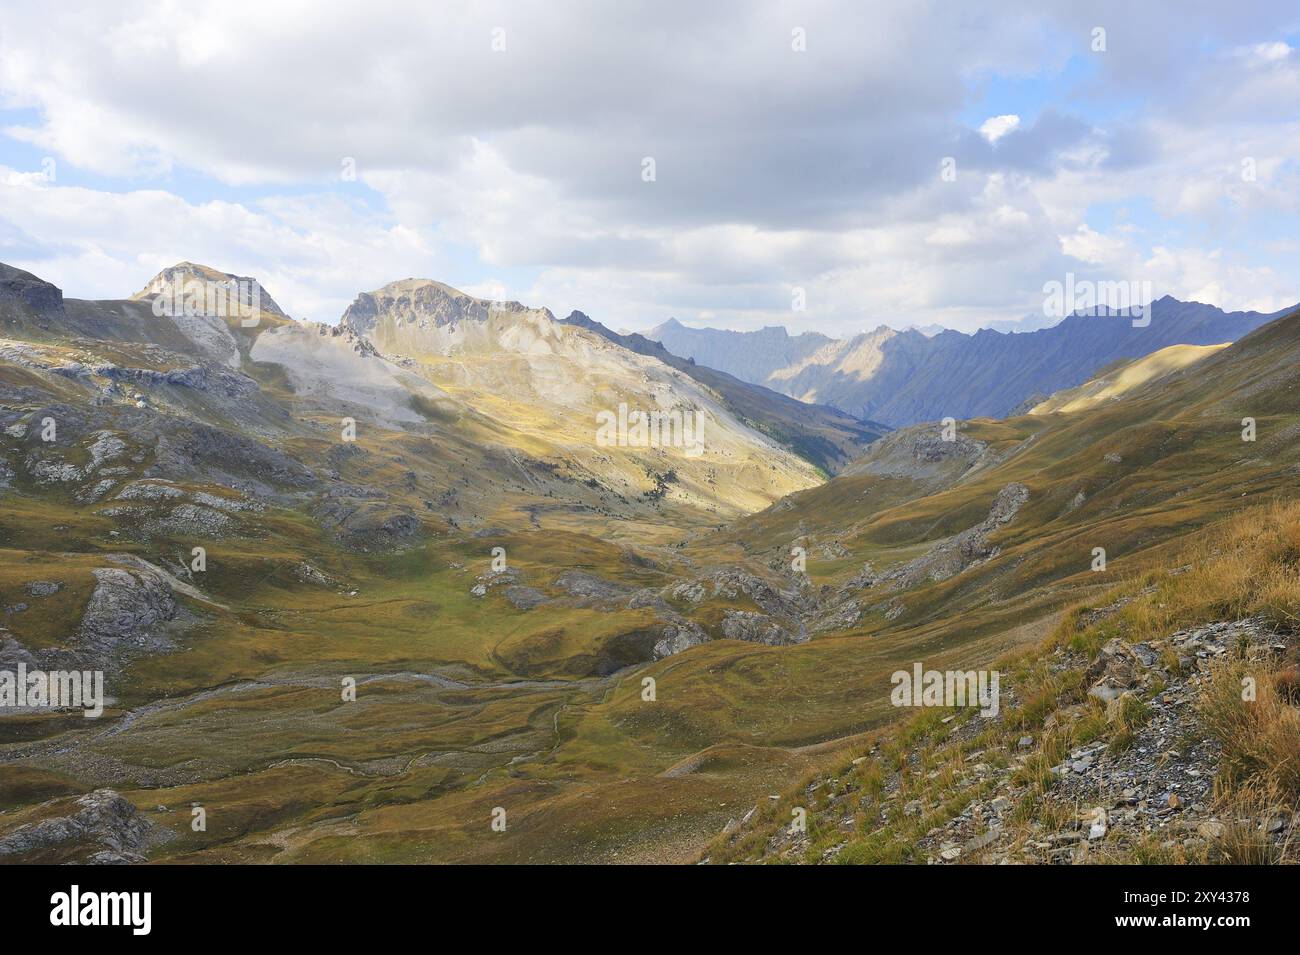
(826, 436)
(495, 406)
(750, 356)
(901, 378)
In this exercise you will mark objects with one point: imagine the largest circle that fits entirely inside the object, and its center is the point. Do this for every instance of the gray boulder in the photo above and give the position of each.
(105, 829)
(127, 613)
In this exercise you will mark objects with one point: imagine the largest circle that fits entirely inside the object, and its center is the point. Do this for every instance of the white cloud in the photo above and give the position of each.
(818, 169)
(1093, 248)
(313, 253)
(1272, 52)
(995, 127)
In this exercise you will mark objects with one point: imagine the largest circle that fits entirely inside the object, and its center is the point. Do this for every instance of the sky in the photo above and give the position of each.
(819, 165)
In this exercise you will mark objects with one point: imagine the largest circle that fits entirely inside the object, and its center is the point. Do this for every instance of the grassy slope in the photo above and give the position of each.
(1245, 567)
(584, 767)
(1124, 376)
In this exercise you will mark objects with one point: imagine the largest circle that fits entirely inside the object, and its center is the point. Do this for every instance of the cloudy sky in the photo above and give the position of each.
(502, 148)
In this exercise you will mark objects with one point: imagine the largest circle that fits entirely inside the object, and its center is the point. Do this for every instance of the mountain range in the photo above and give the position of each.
(362, 590)
(904, 377)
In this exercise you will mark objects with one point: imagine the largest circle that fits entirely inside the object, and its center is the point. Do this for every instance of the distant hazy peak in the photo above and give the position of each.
(752, 356)
(903, 377)
(766, 332)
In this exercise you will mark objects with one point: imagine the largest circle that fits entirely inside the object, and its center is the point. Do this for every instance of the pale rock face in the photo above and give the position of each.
(106, 447)
(678, 638)
(210, 336)
(420, 302)
(549, 380)
(175, 278)
(950, 557)
(757, 628)
(208, 331)
(332, 363)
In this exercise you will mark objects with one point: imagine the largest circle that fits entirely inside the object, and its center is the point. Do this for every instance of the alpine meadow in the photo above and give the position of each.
(751, 433)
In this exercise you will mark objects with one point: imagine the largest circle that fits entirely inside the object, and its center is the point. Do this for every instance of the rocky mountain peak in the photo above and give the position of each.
(179, 280)
(425, 304)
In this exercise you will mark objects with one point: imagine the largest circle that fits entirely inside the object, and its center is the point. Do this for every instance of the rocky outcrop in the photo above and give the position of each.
(126, 615)
(13, 653)
(1156, 788)
(1119, 668)
(678, 637)
(421, 302)
(525, 598)
(758, 628)
(26, 289)
(358, 343)
(926, 454)
(198, 377)
(730, 583)
(971, 546)
(48, 466)
(585, 586)
(104, 828)
(308, 574)
(200, 450)
(495, 578)
(160, 508)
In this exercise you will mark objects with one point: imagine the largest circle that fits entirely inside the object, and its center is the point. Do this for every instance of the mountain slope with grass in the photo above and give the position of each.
(1123, 733)
(1123, 376)
(350, 504)
(1158, 724)
(456, 609)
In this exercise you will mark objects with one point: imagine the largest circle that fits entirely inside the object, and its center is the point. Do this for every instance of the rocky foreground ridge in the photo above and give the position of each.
(1141, 788)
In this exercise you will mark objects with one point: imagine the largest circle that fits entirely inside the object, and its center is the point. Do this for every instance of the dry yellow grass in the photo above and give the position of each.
(1245, 566)
(1118, 381)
